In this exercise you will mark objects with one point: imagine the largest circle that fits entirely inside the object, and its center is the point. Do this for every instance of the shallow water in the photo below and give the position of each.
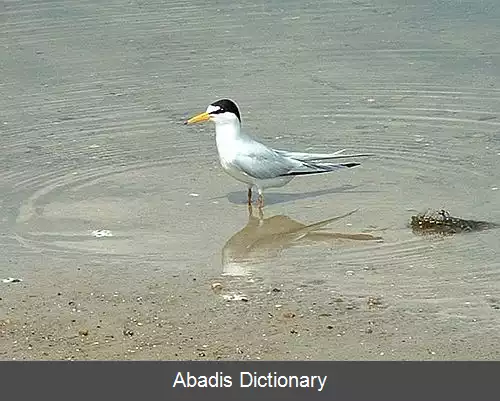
(94, 97)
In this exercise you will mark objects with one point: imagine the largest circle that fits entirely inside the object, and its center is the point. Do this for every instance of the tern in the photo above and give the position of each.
(256, 164)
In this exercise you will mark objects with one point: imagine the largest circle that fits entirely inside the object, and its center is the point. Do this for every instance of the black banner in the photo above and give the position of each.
(346, 381)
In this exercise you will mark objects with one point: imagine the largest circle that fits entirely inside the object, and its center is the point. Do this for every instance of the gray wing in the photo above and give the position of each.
(264, 163)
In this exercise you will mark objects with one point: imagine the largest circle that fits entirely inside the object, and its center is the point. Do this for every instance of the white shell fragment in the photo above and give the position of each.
(11, 280)
(235, 297)
(102, 233)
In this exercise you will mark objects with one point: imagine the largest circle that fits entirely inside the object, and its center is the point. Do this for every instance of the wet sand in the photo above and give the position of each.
(94, 100)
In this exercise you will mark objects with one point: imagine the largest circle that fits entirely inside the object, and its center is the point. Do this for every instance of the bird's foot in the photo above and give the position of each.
(250, 212)
(261, 214)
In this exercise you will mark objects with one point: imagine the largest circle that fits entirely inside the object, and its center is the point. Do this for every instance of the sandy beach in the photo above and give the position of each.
(126, 240)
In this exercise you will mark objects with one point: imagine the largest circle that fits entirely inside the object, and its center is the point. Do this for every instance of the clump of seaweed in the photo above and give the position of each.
(442, 222)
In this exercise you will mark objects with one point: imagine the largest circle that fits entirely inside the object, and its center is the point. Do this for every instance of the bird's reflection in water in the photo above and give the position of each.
(263, 239)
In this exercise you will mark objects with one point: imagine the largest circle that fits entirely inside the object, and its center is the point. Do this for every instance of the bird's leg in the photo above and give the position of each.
(250, 211)
(251, 216)
(260, 199)
(250, 201)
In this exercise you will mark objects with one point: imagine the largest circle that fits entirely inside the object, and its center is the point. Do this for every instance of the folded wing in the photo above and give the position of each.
(265, 163)
(319, 156)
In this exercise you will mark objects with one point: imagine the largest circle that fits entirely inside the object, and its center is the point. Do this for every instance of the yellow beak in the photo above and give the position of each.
(199, 118)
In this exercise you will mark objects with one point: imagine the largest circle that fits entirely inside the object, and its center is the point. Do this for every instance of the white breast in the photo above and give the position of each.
(227, 147)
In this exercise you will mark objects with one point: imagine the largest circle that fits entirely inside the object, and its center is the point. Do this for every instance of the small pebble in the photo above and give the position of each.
(374, 301)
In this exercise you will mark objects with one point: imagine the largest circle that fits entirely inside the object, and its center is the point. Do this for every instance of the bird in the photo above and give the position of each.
(255, 164)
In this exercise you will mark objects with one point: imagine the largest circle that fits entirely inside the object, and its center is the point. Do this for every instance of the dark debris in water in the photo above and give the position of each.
(442, 222)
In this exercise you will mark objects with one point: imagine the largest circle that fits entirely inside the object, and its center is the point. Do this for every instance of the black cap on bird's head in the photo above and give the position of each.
(218, 107)
(226, 105)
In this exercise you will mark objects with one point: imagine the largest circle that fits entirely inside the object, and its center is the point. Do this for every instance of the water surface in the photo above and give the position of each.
(94, 97)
